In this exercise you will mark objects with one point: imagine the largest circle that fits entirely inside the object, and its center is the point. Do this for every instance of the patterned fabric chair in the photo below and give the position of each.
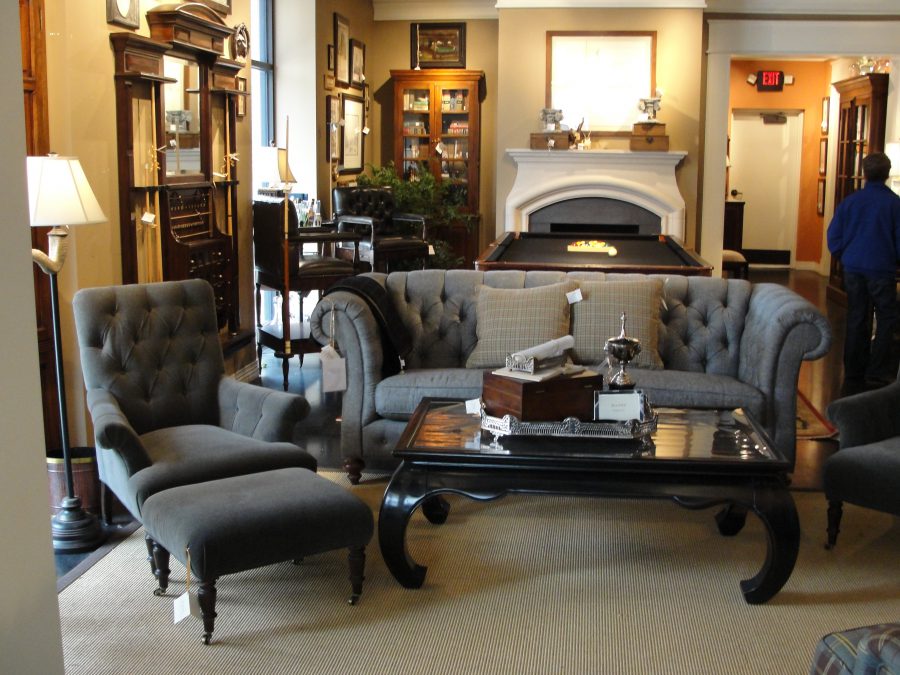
(388, 235)
(866, 470)
(870, 650)
(164, 413)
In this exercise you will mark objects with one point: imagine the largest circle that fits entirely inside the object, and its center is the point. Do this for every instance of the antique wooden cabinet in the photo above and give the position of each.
(860, 132)
(176, 98)
(437, 129)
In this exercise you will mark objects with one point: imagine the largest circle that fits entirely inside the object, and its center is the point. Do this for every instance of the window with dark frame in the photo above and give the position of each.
(262, 72)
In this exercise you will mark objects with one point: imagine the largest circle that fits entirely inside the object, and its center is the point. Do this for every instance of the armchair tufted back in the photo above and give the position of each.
(701, 322)
(353, 201)
(155, 348)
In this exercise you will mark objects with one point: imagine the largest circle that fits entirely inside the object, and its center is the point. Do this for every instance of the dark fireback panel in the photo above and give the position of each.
(594, 215)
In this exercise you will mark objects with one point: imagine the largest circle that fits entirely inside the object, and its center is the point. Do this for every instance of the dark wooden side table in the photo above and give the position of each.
(698, 458)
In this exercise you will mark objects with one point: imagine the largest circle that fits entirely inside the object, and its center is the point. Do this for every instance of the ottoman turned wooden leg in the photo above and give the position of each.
(159, 564)
(357, 560)
(206, 596)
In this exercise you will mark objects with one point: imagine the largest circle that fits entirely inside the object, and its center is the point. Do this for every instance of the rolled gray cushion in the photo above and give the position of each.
(397, 397)
(866, 475)
(682, 389)
(243, 522)
(197, 452)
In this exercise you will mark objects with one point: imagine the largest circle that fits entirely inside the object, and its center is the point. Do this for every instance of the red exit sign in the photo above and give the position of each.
(769, 80)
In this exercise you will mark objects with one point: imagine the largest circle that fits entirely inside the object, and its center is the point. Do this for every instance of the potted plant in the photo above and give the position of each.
(437, 201)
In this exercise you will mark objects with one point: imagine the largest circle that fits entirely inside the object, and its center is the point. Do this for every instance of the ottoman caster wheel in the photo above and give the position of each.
(159, 592)
(206, 638)
(354, 599)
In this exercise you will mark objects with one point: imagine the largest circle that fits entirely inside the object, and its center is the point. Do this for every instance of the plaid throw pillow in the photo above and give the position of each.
(510, 320)
(599, 316)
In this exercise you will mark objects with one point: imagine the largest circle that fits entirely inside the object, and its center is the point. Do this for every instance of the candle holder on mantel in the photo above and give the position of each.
(624, 349)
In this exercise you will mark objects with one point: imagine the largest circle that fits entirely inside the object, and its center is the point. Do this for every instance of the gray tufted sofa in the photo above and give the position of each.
(724, 343)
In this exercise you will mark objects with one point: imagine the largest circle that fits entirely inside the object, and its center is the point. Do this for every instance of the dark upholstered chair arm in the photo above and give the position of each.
(113, 431)
(413, 219)
(868, 417)
(258, 412)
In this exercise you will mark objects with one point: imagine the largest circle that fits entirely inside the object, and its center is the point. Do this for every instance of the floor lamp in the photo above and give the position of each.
(59, 196)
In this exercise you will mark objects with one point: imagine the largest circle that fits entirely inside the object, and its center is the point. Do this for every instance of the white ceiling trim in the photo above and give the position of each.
(601, 4)
(433, 10)
(819, 7)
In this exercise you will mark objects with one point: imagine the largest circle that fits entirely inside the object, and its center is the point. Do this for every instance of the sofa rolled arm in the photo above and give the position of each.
(357, 337)
(258, 412)
(867, 417)
(113, 431)
(781, 330)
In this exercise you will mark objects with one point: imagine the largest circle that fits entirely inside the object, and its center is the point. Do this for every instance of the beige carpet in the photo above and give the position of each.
(526, 584)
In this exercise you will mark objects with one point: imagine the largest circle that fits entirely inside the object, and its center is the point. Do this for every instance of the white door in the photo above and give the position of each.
(765, 167)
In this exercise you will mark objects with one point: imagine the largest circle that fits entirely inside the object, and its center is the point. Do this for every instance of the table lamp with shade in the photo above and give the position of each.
(59, 196)
(892, 150)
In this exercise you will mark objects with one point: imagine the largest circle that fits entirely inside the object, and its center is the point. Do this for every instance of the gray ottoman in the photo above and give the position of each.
(239, 523)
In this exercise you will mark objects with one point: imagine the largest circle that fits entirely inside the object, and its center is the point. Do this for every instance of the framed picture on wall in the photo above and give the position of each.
(820, 198)
(341, 50)
(241, 108)
(333, 135)
(437, 45)
(330, 58)
(825, 104)
(357, 63)
(354, 117)
(823, 156)
(125, 13)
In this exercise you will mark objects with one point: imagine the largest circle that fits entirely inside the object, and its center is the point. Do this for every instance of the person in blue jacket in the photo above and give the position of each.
(865, 236)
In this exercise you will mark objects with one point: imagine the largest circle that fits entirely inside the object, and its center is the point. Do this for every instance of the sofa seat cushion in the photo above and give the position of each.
(196, 453)
(397, 397)
(866, 475)
(685, 389)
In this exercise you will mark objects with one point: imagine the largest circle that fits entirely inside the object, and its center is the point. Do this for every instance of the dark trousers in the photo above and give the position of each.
(864, 356)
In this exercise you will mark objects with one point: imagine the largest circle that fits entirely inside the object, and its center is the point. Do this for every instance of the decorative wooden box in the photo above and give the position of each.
(649, 136)
(550, 400)
(561, 140)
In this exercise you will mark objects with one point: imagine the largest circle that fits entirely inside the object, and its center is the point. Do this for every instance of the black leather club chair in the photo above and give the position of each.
(164, 413)
(388, 236)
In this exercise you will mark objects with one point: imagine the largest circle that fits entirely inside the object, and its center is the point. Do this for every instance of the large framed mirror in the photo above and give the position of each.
(183, 119)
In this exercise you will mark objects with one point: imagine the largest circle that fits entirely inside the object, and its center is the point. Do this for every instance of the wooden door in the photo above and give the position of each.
(37, 142)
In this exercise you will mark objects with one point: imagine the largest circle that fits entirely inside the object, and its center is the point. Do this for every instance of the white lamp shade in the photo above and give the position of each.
(59, 193)
(892, 150)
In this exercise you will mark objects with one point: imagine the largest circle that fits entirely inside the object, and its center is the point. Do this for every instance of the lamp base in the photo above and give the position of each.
(73, 529)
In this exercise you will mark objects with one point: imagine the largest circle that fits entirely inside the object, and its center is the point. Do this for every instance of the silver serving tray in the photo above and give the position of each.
(571, 427)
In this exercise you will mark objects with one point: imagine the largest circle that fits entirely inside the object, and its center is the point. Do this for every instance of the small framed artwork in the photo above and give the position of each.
(330, 58)
(820, 198)
(341, 50)
(333, 135)
(241, 107)
(366, 95)
(354, 117)
(125, 13)
(825, 105)
(221, 6)
(328, 82)
(437, 45)
(357, 63)
(823, 156)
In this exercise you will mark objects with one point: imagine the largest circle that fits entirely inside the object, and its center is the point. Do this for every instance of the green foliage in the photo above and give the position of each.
(439, 202)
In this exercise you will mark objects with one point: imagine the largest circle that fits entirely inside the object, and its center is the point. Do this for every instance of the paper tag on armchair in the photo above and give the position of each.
(334, 369)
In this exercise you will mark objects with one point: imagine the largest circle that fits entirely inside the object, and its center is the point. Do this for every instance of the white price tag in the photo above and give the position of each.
(439, 148)
(473, 406)
(430, 249)
(186, 605)
(334, 369)
(574, 296)
(148, 218)
(365, 130)
(618, 406)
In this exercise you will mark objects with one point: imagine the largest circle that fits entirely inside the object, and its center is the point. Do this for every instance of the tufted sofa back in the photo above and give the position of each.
(377, 203)
(701, 320)
(155, 348)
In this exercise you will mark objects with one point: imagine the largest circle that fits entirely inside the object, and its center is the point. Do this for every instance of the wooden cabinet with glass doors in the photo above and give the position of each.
(437, 129)
(860, 132)
(176, 101)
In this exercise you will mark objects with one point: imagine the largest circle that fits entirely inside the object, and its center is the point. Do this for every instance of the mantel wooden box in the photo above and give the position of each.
(561, 140)
(649, 136)
(548, 401)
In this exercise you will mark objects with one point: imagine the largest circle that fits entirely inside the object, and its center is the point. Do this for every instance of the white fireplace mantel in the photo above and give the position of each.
(647, 179)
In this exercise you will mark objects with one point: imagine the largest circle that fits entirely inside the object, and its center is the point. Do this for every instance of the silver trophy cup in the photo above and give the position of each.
(624, 349)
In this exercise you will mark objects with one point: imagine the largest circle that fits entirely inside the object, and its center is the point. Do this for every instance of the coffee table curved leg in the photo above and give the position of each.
(403, 494)
(776, 510)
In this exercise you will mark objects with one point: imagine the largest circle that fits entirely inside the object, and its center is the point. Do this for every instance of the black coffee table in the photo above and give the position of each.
(698, 458)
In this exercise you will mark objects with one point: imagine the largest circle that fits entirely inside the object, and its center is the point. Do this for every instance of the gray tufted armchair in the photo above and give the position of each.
(164, 413)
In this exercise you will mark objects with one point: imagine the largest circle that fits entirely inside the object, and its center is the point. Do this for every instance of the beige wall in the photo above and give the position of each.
(82, 111)
(521, 83)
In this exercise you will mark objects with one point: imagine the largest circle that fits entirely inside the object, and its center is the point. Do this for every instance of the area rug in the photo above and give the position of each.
(524, 584)
(811, 423)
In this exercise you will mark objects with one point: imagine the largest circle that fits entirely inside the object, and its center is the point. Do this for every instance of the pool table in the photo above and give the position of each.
(648, 254)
